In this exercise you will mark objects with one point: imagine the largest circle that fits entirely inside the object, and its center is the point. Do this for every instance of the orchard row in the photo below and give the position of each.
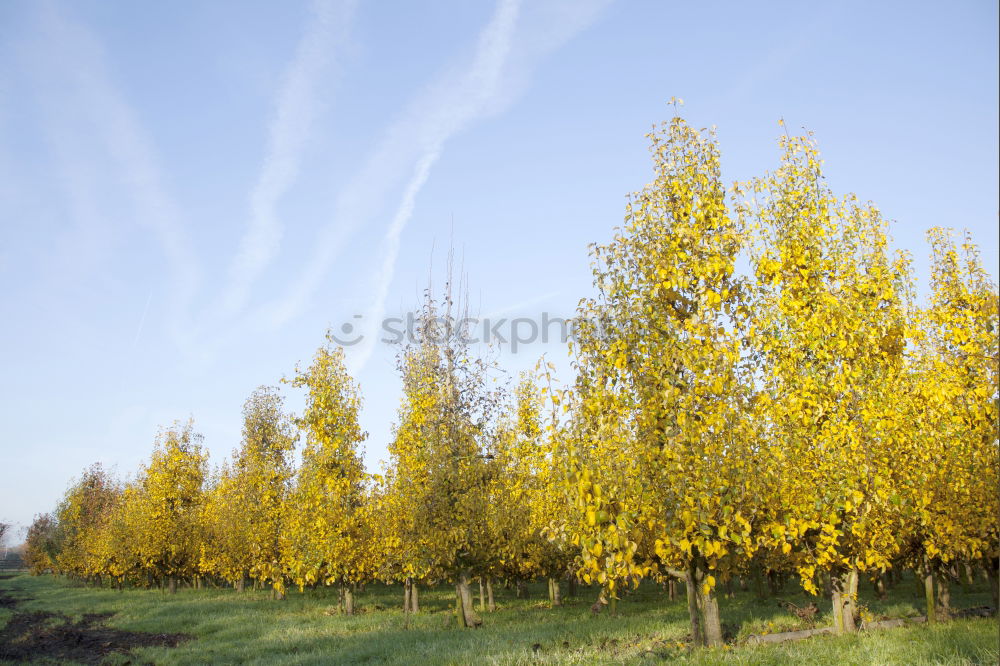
(756, 392)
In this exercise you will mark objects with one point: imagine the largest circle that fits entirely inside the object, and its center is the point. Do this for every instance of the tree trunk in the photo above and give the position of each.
(348, 592)
(172, 585)
(707, 605)
(407, 584)
(241, 584)
(775, 582)
(482, 595)
(555, 598)
(522, 589)
(672, 589)
(967, 580)
(943, 593)
(845, 589)
(880, 586)
(489, 595)
(467, 615)
(851, 605)
(992, 566)
(929, 592)
(690, 585)
(758, 583)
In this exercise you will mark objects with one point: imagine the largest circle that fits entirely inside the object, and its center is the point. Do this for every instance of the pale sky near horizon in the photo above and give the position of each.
(192, 192)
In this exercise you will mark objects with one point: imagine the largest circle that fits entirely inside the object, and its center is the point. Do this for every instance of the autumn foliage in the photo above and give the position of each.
(758, 394)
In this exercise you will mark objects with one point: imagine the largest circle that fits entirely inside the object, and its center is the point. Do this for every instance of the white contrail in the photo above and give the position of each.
(390, 250)
(504, 57)
(480, 86)
(142, 321)
(295, 113)
(430, 119)
(79, 62)
(484, 88)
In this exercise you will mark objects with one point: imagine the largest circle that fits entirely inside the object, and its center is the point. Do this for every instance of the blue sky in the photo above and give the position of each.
(190, 193)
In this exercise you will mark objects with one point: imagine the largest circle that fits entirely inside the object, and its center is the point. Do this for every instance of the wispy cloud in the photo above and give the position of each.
(491, 80)
(75, 58)
(481, 83)
(295, 113)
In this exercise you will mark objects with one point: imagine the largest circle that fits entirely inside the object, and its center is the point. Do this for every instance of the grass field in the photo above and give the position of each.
(229, 627)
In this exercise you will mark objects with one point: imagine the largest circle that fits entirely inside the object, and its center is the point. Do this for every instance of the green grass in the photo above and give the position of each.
(230, 627)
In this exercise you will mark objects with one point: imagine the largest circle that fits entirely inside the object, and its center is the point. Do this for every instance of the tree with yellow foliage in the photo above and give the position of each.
(80, 516)
(524, 499)
(326, 533)
(829, 327)
(243, 511)
(662, 451)
(169, 503)
(952, 471)
(439, 467)
(41, 545)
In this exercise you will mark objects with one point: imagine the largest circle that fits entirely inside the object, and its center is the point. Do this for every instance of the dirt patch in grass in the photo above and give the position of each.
(45, 635)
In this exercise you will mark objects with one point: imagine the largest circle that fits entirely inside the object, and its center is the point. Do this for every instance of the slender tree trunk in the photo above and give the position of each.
(348, 593)
(672, 589)
(943, 593)
(467, 615)
(407, 584)
(491, 604)
(482, 595)
(992, 566)
(554, 597)
(414, 598)
(758, 583)
(172, 585)
(845, 589)
(522, 589)
(775, 583)
(690, 585)
(880, 586)
(929, 592)
(851, 604)
(707, 604)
